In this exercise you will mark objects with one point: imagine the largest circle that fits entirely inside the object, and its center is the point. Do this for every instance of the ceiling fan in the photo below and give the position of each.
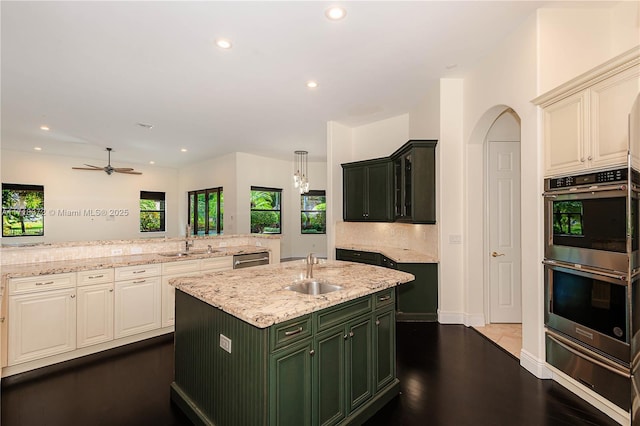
(108, 169)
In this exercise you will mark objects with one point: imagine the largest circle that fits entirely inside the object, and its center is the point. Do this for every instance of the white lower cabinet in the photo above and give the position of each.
(137, 306)
(172, 270)
(41, 324)
(95, 314)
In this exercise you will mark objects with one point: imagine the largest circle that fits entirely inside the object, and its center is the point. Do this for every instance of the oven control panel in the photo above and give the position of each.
(595, 178)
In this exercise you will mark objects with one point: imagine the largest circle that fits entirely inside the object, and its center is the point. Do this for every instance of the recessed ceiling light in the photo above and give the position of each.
(223, 43)
(335, 13)
(311, 84)
(37, 148)
(44, 127)
(152, 162)
(183, 150)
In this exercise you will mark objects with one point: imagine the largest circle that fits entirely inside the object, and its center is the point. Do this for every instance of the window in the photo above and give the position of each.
(22, 210)
(152, 209)
(313, 216)
(266, 217)
(206, 211)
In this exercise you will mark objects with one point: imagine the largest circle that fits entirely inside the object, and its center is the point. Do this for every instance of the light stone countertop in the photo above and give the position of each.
(58, 267)
(398, 255)
(257, 295)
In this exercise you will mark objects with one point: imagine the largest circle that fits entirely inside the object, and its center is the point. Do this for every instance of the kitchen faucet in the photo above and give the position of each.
(311, 260)
(187, 244)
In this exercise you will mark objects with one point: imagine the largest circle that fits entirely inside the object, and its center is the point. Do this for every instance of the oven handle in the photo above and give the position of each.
(554, 194)
(621, 277)
(591, 356)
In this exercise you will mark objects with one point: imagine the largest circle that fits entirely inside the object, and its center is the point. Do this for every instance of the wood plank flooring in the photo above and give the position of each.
(450, 375)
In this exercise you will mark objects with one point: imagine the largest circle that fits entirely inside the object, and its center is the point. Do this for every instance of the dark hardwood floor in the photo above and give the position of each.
(450, 375)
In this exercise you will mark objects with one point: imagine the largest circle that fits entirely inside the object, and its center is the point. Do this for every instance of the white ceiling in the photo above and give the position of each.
(92, 70)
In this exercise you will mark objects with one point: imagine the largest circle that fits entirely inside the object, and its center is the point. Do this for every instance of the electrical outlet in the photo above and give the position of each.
(223, 244)
(116, 252)
(136, 250)
(258, 244)
(225, 343)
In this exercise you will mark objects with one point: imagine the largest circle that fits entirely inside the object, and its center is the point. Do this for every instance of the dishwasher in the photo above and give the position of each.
(248, 260)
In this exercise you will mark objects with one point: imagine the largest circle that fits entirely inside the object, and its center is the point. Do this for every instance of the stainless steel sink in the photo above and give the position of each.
(175, 254)
(313, 287)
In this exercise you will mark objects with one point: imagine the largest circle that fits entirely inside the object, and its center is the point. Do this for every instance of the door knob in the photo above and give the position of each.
(496, 254)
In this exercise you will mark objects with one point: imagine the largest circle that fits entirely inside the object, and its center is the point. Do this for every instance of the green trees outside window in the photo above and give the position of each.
(22, 210)
(206, 211)
(266, 214)
(567, 218)
(152, 211)
(313, 217)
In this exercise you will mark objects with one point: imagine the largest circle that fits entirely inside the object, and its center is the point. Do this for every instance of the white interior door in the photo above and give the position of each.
(505, 293)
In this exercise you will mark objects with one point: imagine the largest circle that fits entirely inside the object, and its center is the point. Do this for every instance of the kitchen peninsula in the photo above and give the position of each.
(249, 351)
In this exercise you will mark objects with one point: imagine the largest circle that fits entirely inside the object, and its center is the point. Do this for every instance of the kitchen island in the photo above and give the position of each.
(248, 351)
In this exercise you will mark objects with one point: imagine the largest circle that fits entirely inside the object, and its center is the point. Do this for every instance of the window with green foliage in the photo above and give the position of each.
(266, 215)
(313, 215)
(152, 210)
(567, 218)
(206, 211)
(22, 210)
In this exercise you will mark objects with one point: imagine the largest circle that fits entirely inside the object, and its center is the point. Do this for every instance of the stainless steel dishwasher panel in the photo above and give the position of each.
(248, 260)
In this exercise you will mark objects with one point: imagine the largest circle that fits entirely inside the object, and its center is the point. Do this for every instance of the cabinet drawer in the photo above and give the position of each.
(42, 283)
(216, 264)
(288, 332)
(342, 313)
(139, 271)
(384, 298)
(97, 276)
(358, 256)
(172, 268)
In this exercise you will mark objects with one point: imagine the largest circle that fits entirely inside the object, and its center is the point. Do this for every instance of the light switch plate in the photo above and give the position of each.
(225, 343)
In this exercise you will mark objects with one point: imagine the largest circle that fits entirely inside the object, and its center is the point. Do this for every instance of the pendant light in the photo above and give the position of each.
(301, 175)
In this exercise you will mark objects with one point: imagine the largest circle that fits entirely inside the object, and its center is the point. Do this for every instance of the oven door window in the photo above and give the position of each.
(598, 224)
(593, 303)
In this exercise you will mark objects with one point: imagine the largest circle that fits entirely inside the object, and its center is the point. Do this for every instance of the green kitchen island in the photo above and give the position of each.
(250, 352)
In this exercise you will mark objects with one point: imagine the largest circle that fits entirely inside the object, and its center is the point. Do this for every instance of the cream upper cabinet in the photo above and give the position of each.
(585, 121)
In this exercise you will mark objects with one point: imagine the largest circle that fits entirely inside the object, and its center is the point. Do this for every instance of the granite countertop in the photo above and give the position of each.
(257, 295)
(58, 267)
(398, 255)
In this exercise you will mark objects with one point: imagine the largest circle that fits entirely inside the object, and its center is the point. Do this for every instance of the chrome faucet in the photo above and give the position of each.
(311, 260)
(187, 244)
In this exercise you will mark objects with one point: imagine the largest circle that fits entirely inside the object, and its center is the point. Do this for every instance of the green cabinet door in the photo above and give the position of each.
(329, 361)
(418, 300)
(359, 362)
(290, 392)
(354, 179)
(384, 339)
(380, 200)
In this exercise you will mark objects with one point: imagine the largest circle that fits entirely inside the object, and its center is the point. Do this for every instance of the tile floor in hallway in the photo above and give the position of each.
(507, 336)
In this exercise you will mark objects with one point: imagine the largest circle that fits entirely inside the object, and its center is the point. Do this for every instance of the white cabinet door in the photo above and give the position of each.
(611, 102)
(169, 298)
(95, 314)
(565, 135)
(137, 306)
(41, 324)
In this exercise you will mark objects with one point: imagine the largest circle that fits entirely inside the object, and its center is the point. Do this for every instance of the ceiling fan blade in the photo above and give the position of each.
(95, 167)
(129, 172)
(123, 169)
(86, 168)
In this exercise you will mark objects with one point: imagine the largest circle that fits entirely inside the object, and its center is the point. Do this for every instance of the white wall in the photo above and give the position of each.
(80, 190)
(237, 173)
(339, 147)
(380, 139)
(424, 118)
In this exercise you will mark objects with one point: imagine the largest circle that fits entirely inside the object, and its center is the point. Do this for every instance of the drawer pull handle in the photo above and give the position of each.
(291, 333)
(139, 281)
(383, 298)
(140, 272)
(47, 283)
(93, 277)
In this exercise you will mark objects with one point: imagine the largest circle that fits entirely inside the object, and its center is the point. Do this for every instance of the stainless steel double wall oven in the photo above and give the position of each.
(591, 277)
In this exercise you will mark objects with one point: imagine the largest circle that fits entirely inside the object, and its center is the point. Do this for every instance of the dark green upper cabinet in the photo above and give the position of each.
(367, 191)
(414, 176)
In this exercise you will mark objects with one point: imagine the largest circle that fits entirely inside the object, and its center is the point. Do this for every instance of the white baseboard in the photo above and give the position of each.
(474, 320)
(450, 317)
(534, 365)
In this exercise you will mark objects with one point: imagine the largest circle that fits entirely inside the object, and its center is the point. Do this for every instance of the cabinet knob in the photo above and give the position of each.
(346, 336)
(590, 158)
(351, 334)
(110, 290)
(73, 296)
(582, 160)
(312, 352)
(377, 322)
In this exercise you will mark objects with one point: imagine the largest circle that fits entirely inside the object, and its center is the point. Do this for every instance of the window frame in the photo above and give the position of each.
(278, 210)
(23, 188)
(313, 193)
(155, 196)
(192, 214)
